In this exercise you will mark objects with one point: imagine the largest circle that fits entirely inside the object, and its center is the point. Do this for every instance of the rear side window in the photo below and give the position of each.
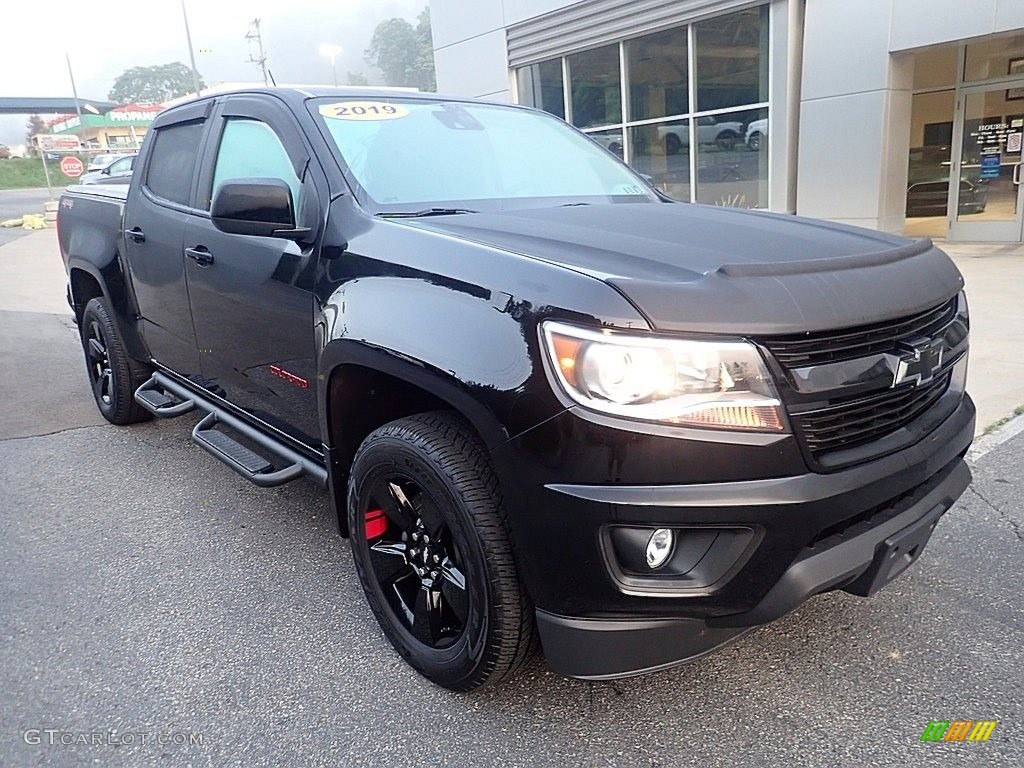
(175, 150)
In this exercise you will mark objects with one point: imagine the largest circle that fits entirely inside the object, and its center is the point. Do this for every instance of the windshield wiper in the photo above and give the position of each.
(425, 212)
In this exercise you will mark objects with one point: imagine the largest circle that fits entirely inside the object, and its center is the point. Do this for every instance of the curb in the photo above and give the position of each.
(986, 443)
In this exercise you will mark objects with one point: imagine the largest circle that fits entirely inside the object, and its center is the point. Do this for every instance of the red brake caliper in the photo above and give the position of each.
(376, 523)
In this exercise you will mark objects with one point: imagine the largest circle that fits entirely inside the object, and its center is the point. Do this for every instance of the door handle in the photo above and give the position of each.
(200, 255)
(135, 234)
(1016, 174)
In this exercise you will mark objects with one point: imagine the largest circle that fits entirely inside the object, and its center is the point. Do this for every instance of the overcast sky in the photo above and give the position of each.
(34, 38)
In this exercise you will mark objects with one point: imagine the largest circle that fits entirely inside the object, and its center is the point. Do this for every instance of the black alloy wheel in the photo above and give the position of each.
(431, 546)
(415, 561)
(113, 376)
(101, 377)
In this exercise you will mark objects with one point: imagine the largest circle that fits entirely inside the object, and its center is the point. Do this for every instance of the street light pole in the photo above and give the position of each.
(191, 53)
(331, 52)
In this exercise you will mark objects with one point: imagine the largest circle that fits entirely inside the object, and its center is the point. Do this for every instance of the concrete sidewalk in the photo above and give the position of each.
(34, 281)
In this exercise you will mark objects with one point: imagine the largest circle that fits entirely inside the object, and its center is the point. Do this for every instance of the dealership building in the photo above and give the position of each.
(859, 112)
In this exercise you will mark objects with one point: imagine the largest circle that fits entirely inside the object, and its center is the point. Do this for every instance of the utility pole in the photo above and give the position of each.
(74, 90)
(191, 53)
(261, 59)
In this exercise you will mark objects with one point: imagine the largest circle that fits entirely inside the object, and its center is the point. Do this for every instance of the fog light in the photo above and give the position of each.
(659, 547)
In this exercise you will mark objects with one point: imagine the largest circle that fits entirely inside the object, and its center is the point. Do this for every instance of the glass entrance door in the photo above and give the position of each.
(988, 201)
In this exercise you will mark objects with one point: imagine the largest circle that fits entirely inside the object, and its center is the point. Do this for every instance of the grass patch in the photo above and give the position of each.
(27, 172)
(1018, 411)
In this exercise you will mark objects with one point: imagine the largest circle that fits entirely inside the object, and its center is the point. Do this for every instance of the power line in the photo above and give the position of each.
(254, 35)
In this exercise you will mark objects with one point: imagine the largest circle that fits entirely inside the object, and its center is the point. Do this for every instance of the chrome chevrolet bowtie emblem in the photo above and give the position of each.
(919, 360)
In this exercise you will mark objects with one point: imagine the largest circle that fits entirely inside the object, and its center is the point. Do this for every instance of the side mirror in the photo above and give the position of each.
(106, 170)
(260, 207)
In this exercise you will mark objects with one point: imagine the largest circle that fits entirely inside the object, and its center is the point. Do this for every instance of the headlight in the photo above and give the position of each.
(694, 383)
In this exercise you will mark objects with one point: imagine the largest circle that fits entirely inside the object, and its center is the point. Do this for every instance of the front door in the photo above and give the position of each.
(251, 296)
(988, 201)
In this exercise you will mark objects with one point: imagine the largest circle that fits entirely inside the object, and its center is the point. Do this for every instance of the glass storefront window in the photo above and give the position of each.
(995, 58)
(732, 159)
(658, 79)
(935, 68)
(666, 131)
(732, 59)
(667, 170)
(540, 85)
(595, 85)
(610, 140)
(931, 139)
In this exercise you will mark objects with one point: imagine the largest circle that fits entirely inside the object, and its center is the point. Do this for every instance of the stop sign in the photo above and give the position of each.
(72, 166)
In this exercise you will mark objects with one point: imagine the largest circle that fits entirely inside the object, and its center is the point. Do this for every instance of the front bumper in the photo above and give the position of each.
(813, 533)
(597, 649)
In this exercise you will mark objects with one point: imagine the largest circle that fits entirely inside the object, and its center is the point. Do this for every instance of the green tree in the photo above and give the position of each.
(153, 85)
(35, 125)
(356, 78)
(404, 53)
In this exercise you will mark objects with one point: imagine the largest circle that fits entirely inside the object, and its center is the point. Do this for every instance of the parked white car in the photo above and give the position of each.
(757, 134)
(99, 162)
(709, 131)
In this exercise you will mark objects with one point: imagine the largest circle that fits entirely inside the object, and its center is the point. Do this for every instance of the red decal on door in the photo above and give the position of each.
(291, 378)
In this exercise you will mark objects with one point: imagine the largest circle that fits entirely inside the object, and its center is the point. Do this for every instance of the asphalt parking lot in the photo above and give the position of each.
(147, 589)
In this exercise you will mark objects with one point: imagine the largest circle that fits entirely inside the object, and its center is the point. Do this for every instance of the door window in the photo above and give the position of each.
(173, 160)
(249, 149)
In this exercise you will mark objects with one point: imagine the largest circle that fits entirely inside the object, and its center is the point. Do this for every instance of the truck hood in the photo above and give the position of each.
(720, 270)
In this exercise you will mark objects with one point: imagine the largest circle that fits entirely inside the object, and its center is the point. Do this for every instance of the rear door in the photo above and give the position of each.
(154, 221)
(251, 296)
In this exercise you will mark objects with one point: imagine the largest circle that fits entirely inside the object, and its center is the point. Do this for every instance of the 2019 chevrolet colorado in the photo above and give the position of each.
(544, 399)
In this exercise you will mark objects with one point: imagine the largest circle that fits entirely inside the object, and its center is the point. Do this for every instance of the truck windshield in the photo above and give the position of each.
(418, 157)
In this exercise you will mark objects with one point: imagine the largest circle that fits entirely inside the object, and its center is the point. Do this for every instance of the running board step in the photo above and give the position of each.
(159, 403)
(248, 464)
(166, 397)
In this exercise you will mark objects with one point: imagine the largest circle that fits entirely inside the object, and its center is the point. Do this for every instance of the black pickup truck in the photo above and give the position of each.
(546, 401)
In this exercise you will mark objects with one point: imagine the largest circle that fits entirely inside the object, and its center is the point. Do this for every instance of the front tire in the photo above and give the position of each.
(432, 551)
(113, 375)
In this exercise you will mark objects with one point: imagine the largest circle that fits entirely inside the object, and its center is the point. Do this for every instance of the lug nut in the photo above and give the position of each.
(437, 558)
(416, 536)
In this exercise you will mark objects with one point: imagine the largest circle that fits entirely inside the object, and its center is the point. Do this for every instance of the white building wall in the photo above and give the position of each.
(470, 50)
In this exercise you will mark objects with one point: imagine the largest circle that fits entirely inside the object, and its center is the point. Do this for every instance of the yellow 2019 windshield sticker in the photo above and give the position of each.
(363, 110)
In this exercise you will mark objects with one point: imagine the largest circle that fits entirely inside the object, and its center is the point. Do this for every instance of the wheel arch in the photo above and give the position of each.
(364, 387)
(88, 280)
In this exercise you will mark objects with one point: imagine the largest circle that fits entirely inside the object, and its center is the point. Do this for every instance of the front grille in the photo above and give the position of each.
(864, 419)
(819, 348)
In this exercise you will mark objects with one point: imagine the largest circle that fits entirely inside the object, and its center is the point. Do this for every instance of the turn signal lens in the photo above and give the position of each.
(659, 547)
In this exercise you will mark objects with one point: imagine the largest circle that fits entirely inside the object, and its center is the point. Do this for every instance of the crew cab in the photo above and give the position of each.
(545, 401)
